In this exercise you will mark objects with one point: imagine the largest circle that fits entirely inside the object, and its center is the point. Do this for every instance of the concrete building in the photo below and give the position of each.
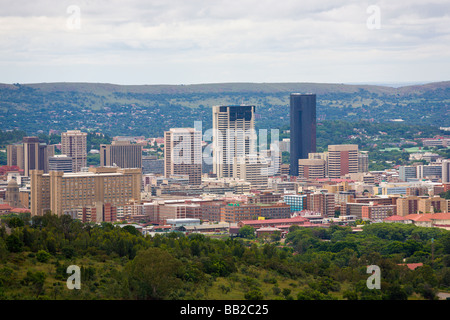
(321, 202)
(62, 192)
(74, 145)
(378, 212)
(60, 162)
(407, 172)
(235, 212)
(30, 155)
(151, 164)
(183, 154)
(14, 154)
(122, 154)
(12, 194)
(303, 128)
(407, 205)
(275, 211)
(446, 171)
(342, 159)
(296, 202)
(433, 171)
(251, 168)
(363, 161)
(234, 136)
(311, 168)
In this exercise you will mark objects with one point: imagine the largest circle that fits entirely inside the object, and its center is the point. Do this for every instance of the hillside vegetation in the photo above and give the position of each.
(150, 109)
(119, 263)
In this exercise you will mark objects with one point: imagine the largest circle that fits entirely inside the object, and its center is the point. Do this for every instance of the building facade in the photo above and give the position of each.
(183, 154)
(234, 136)
(74, 145)
(342, 159)
(122, 154)
(62, 192)
(311, 168)
(303, 128)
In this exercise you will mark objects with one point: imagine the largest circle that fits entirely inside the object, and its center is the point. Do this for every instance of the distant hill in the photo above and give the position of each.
(150, 109)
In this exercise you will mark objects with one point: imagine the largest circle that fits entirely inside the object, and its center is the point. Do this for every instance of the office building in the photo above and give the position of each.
(251, 168)
(74, 145)
(235, 212)
(363, 161)
(378, 212)
(60, 162)
(12, 194)
(446, 171)
(342, 159)
(296, 202)
(303, 128)
(407, 172)
(407, 205)
(234, 136)
(311, 168)
(30, 155)
(14, 155)
(62, 192)
(122, 154)
(323, 203)
(432, 171)
(151, 164)
(183, 154)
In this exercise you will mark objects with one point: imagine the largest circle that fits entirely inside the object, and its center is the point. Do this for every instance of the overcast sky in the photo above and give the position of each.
(211, 41)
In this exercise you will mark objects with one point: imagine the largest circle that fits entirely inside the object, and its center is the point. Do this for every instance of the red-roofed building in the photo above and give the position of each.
(395, 218)
(20, 210)
(5, 208)
(411, 266)
(439, 220)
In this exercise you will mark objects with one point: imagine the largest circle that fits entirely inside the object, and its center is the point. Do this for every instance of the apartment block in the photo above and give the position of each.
(235, 212)
(62, 192)
(275, 211)
(342, 159)
(407, 205)
(296, 202)
(31, 154)
(122, 154)
(251, 168)
(324, 203)
(311, 168)
(234, 136)
(378, 212)
(183, 154)
(74, 145)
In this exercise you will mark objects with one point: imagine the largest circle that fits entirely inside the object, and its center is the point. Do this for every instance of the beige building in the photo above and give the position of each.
(311, 168)
(342, 159)
(233, 137)
(74, 144)
(252, 169)
(432, 205)
(183, 154)
(62, 192)
(30, 155)
(414, 204)
(122, 154)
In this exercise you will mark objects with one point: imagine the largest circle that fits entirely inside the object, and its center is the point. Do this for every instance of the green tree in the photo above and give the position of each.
(42, 256)
(154, 274)
(247, 232)
(13, 243)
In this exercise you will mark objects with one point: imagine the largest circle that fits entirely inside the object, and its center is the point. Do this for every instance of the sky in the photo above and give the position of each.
(214, 41)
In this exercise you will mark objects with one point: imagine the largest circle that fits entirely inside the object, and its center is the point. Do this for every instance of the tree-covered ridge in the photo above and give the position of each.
(149, 110)
(120, 263)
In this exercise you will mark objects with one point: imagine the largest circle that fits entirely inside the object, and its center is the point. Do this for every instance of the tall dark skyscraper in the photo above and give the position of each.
(303, 128)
